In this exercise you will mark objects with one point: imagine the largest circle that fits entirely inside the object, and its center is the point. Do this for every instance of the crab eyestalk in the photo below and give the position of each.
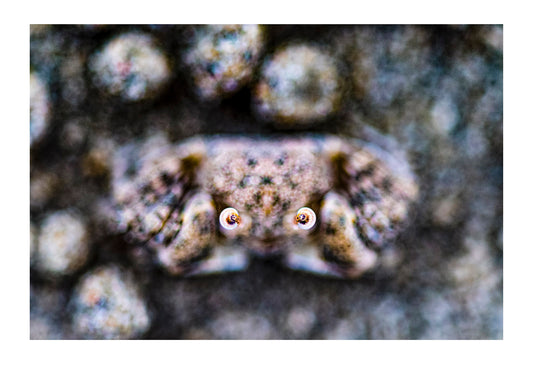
(305, 218)
(229, 218)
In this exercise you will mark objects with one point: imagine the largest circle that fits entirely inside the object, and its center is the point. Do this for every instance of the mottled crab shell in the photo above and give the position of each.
(342, 199)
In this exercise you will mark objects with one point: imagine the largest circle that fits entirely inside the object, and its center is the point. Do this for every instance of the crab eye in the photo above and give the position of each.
(305, 218)
(229, 218)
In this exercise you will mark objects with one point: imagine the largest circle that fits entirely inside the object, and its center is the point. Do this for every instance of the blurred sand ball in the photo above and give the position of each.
(130, 66)
(222, 58)
(241, 325)
(108, 305)
(40, 111)
(300, 322)
(62, 246)
(299, 84)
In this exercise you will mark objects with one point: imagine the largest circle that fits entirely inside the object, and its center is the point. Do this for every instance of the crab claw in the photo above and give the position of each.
(187, 237)
(341, 242)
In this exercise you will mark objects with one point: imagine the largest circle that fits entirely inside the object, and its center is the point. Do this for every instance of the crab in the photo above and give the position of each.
(323, 204)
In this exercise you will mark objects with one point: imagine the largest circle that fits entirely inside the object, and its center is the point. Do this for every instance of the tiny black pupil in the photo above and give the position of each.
(232, 219)
(302, 218)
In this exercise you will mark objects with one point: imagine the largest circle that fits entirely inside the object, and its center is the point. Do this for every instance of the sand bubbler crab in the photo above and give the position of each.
(319, 203)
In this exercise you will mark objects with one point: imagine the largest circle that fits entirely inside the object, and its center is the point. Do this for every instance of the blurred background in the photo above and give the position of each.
(437, 90)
